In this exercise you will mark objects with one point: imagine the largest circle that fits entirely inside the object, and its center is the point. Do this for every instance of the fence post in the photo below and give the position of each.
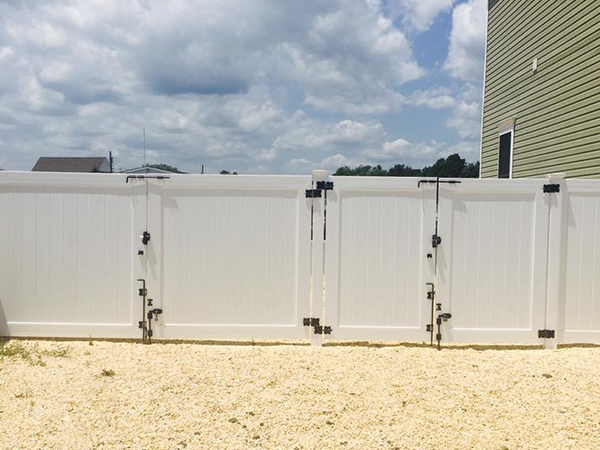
(318, 266)
(556, 264)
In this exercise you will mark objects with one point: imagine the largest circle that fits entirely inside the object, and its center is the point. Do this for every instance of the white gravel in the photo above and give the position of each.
(174, 396)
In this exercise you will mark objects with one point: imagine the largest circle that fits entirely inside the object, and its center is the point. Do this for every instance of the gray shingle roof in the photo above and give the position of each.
(71, 164)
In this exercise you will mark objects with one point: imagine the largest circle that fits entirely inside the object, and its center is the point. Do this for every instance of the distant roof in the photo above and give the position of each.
(71, 164)
(148, 169)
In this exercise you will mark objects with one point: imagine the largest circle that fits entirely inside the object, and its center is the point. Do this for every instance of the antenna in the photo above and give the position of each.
(144, 133)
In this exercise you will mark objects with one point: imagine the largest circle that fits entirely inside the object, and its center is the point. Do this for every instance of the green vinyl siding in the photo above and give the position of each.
(557, 108)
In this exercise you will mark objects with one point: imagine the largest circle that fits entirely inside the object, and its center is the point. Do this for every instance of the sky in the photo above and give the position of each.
(254, 86)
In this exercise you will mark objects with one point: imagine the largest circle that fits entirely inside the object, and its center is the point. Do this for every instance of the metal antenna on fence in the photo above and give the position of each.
(144, 138)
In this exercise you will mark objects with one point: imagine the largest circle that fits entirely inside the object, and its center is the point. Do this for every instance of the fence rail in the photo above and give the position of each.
(300, 257)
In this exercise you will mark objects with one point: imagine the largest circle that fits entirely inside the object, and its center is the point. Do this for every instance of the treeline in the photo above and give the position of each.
(452, 167)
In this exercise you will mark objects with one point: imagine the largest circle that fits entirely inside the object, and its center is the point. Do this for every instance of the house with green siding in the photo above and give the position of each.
(541, 109)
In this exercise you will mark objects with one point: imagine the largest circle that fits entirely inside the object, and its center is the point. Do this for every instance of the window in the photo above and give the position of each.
(506, 131)
(505, 155)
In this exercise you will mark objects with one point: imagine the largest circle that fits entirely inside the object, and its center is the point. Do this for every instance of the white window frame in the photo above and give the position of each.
(507, 126)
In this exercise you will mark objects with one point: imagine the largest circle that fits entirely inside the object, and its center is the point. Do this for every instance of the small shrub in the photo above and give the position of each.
(108, 373)
(15, 348)
(61, 351)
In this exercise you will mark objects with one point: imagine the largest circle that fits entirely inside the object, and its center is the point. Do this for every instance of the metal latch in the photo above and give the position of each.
(145, 237)
(313, 193)
(435, 240)
(546, 334)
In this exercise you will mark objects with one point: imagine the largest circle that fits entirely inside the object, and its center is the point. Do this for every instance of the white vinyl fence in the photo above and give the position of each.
(300, 257)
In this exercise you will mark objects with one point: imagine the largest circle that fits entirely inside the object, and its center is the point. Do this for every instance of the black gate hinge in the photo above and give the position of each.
(551, 188)
(311, 322)
(435, 240)
(325, 185)
(313, 193)
(322, 330)
(546, 334)
(145, 237)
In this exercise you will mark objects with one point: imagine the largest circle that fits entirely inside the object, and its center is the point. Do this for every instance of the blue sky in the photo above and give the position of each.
(257, 86)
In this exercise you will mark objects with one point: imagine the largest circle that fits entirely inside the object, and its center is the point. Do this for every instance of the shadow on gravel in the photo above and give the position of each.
(250, 343)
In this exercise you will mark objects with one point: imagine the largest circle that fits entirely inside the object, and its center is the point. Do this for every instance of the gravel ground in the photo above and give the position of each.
(107, 395)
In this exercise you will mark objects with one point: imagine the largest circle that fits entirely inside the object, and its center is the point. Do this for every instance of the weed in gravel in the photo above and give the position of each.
(60, 351)
(108, 373)
(24, 394)
(32, 353)
(14, 348)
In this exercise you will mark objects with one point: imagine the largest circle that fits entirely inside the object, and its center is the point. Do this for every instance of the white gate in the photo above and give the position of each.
(493, 259)
(580, 286)
(67, 261)
(229, 256)
(377, 263)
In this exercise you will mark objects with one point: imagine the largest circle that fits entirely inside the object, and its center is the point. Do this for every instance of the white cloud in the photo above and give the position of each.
(435, 98)
(307, 134)
(466, 114)
(420, 14)
(467, 41)
(401, 150)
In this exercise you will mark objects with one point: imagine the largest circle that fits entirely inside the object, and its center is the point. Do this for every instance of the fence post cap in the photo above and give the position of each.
(318, 172)
(556, 176)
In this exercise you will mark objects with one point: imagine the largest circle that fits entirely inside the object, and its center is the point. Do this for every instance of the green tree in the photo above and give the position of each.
(402, 170)
(227, 172)
(451, 167)
(164, 167)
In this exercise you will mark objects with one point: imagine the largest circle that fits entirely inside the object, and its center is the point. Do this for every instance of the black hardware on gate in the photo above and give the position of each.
(322, 330)
(143, 292)
(441, 317)
(321, 186)
(311, 322)
(141, 177)
(325, 185)
(152, 314)
(145, 238)
(551, 188)
(316, 324)
(431, 296)
(313, 193)
(546, 334)
(436, 239)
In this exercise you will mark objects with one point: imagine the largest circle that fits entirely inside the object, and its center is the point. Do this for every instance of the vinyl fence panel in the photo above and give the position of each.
(492, 262)
(376, 259)
(581, 282)
(230, 256)
(67, 255)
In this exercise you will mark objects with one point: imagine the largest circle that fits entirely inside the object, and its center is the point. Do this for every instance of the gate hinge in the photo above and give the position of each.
(551, 188)
(313, 193)
(435, 240)
(145, 237)
(322, 330)
(311, 322)
(546, 334)
(325, 185)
